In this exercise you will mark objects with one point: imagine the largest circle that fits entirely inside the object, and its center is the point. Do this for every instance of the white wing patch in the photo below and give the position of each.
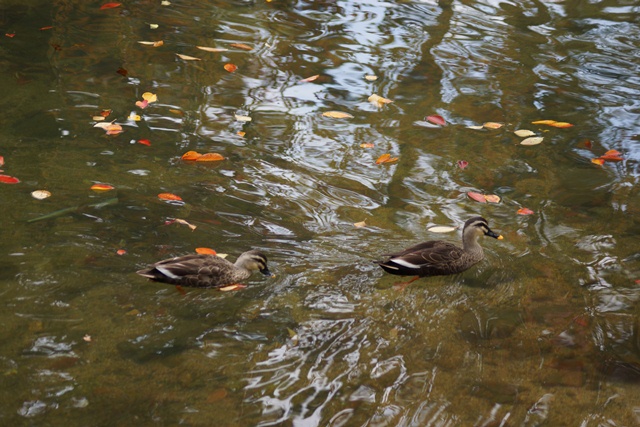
(167, 272)
(404, 263)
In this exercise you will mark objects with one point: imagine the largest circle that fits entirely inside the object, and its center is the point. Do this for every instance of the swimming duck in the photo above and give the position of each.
(206, 271)
(440, 258)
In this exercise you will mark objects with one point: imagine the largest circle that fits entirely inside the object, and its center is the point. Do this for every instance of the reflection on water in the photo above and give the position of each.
(543, 332)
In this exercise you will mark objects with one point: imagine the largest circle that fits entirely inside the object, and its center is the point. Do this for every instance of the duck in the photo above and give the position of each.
(206, 271)
(440, 258)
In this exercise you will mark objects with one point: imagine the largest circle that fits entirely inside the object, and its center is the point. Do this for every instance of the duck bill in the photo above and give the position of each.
(266, 272)
(494, 235)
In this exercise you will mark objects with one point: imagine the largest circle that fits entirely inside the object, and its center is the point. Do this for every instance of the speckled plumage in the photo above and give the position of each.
(440, 258)
(206, 271)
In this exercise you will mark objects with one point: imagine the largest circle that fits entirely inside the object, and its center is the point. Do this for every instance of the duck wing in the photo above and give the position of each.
(197, 270)
(432, 258)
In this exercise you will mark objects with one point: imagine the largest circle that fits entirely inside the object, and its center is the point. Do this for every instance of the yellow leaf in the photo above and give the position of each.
(234, 287)
(360, 224)
(386, 158)
(475, 127)
(153, 26)
(212, 49)
(135, 117)
(337, 115)
(492, 198)
(40, 194)
(544, 122)
(242, 118)
(149, 97)
(378, 100)
(187, 57)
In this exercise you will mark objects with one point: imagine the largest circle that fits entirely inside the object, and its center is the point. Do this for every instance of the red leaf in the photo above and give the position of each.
(122, 72)
(1, 161)
(110, 5)
(524, 211)
(462, 164)
(144, 142)
(48, 27)
(6, 179)
(10, 35)
(121, 251)
(436, 120)
(477, 197)
(102, 187)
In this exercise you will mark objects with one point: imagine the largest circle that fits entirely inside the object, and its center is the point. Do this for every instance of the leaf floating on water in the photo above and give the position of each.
(102, 187)
(142, 104)
(371, 78)
(534, 140)
(210, 157)
(360, 224)
(492, 198)
(242, 118)
(187, 57)
(6, 179)
(524, 133)
(183, 222)
(241, 46)
(134, 117)
(110, 6)
(524, 211)
(144, 142)
(191, 155)
(441, 229)
(87, 338)
(212, 49)
(232, 287)
(492, 125)
(462, 164)
(157, 43)
(436, 120)
(150, 97)
(561, 125)
(230, 67)
(310, 79)
(153, 26)
(165, 3)
(612, 156)
(40, 194)
(478, 197)
(170, 196)
(337, 115)
(367, 145)
(205, 251)
(122, 72)
(378, 101)
(1, 161)
(475, 127)
(543, 122)
(386, 158)
(113, 129)
(121, 251)
(598, 161)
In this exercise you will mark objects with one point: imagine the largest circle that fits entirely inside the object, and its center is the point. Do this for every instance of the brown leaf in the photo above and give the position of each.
(241, 46)
(386, 158)
(337, 115)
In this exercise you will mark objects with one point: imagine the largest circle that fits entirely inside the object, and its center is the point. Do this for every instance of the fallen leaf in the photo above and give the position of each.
(121, 251)
(371, 78)
(232, 287)
(337, 115)
(534, 140)
(216, 395)
(492, 125)
(122, 72)
(587, 144)
(191, 155)
(105, 113)
(153, 26)
(6, 179)
(543, 122)
(177, 112)
(165, 3)
(230, 67)
(1, 161)
(386, 158)
(612, 156)
(149, 97)
(169, 196)
(475, 127)
(477, 197)
(598, 161)
(524, 211)
(367, 145)
(524, 132)
(462, 164)
(87, 338)
(436, 120)
(242, 118)
(212, 49)
(113, 129)
(40, 194)
(10, 35)
(103, 125)
(310, 79)
(241, 133)
(144, 142)
(561, 125)
(142, 104)
(187, 57)
(378, 101)
(110, 6)
(134, 117)
(157, 43)
(492, 198)
(102, 187)
(48, 27)
(360, 224)
(442, 229)
(205, 251)
(210, 157)
(241, 46)
(97, 118)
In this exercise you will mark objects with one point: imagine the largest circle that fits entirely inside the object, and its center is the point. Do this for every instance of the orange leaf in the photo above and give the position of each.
(110, 5)
(360, 224)
(367, 145)
(121, 251)
(386, 158)
(477, 197)
(436, 120)
(232, 287)
(598, 161)
(241, 46)
(241, 133)
(230, 67)
(6, 179)
(144, 142)
(169, 196)
(102, 187)
(105, 113)
(492, 198)
(587, 144)
(113, 129)
(492, 125)
(207, 251)
(191, 155)
(544, 122)
(524, 211)
(48, 27)
(310, 79)
(142, 104)
(210, 157)
(561, 125)
(1, 161)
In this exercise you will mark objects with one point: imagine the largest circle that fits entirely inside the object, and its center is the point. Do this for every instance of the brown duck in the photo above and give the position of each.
(440, 258)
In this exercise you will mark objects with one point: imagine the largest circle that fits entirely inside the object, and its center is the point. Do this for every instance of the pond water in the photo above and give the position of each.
(544, 331)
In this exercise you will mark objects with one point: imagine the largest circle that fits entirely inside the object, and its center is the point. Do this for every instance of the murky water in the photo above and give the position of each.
(545, 331)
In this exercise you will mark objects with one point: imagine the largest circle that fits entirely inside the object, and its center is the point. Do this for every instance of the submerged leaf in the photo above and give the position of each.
(241, 46)
(386, 158)
(110, 6)
(561, 125)
(210, 157)
(436, 120)
(337, 115)
(543, 122)
(524, 211)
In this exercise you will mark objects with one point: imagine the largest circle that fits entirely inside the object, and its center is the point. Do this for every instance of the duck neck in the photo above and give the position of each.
(470, 243)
